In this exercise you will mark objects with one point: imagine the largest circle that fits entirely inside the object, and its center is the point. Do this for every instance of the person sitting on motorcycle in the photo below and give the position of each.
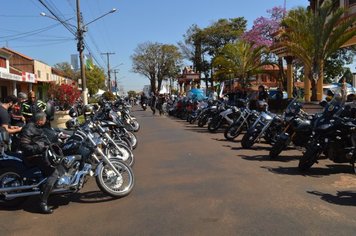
(34, 142)
(144, 99)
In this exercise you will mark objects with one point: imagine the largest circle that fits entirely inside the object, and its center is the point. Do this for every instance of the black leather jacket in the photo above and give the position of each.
(34, 140)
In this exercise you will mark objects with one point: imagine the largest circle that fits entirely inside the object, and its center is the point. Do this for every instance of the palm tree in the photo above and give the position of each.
(314, 36)
(240, 60)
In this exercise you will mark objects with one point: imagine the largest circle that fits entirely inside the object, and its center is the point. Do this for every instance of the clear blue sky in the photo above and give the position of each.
(135, 22)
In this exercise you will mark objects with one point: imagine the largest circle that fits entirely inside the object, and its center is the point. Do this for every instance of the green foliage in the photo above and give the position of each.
(315, 36)
(109, 96)
(239, 60)
(95, 79)
(156, 61)
(132, 93)
(335, 64)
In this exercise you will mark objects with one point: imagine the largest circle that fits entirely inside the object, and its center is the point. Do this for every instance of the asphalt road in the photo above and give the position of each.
(191, 182)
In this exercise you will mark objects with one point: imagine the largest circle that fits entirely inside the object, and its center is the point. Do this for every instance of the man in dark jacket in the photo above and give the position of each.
(34, 142)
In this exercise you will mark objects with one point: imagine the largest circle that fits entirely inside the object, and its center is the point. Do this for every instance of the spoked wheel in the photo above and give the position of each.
(233, 131)
(135, 125)
(112, 184)
(123, 153)
(10, 177)
(249, 139)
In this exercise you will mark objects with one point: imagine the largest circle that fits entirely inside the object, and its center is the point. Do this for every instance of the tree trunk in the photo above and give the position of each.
(282, 75)
(153, 85)
(313, 87)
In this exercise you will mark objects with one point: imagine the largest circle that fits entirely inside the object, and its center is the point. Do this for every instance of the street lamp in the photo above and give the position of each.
(81, 28)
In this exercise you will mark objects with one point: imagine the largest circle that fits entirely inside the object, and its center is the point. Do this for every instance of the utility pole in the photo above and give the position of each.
(108, 58)
(115, 72)
(80, 48)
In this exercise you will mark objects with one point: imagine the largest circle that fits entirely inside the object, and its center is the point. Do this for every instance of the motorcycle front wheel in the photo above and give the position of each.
(215, 124)
(233, 131)
(309, 158)
(277, 148)
(248, 140)
(116, 186)
(123, 153)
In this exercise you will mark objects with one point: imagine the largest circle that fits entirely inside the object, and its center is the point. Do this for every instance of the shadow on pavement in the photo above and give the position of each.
(55, 201)
(316, 172)
(267, 158)
(343, 198)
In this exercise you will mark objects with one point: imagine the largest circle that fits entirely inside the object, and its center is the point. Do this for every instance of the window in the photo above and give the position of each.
(2, 62)
(47, 75)
(39, 73)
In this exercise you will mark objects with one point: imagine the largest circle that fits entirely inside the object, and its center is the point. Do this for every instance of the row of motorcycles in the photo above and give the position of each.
(101, 147)
(330, 133)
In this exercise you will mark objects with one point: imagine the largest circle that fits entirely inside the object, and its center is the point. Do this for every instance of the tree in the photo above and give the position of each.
(193, 50)
(263, 31)
(240, 60)
(67, 70)
(314, 36)
(95, 79)
(157, 62)
(335, 64)
(64, 94)
(132, 93)
(220, 33)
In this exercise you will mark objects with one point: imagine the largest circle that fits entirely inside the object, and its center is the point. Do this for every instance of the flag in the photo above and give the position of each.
(89, 63)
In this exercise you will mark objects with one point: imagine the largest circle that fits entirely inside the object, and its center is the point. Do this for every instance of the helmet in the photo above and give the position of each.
(71, 123)
(88, 110)
(72, 112)
(54, 155)
(22, 95)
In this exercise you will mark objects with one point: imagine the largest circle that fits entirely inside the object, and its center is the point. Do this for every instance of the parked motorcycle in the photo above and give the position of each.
(20, 179)
(243, 122)
(225, 114)
(334, 135)
(267, 125)
(298, 128)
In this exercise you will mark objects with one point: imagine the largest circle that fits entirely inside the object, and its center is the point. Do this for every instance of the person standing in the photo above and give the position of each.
(279, 99)
(32, 106)
(343, 89)
(153, 103)
(5, 118)
(17, 119)
(262, 97)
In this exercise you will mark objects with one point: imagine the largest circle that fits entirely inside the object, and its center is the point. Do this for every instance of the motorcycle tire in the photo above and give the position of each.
(10, 177)
(308, 159)
(124, 153)
(133, 139)
(233, 131)
(112, 185)
(248, 140)
(276, 149)
(135, 125)
(214, 125)
(202, 121)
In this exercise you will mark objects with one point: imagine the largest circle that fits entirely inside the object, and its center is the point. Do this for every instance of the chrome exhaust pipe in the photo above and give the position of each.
(27, 194)
(19, 188)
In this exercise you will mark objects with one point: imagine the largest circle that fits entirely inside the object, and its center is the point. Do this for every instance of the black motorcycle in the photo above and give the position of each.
(334, 135)
(20, 178)
(298, 128)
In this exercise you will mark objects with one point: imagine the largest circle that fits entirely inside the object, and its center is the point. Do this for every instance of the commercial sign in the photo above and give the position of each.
(9, 76)
(28, 77)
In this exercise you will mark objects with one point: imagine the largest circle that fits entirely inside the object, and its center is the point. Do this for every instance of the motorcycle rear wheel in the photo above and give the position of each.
(112, 185)
(10, 177)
